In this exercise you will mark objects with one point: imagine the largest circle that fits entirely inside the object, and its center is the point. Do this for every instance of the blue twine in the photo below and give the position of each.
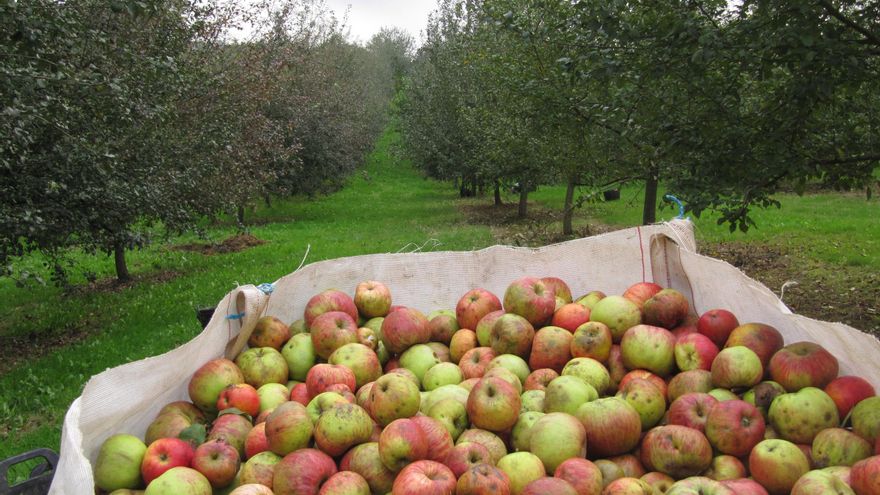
(236, 316)
(267, 288)
(677, 201)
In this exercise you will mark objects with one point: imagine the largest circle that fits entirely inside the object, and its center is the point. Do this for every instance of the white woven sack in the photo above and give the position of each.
(126, 399)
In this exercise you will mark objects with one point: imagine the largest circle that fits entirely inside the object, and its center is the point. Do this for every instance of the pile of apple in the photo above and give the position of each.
(542, 395)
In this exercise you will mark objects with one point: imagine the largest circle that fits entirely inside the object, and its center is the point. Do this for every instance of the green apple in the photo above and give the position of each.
(567, 393)
(442, 374)
(533, 400)
(272, 395)
(799, 416)
(589, 370)
(521, 468)
(179, 480)
(452, 414)
(299, 352)
(419, 359)
(618, 313)
(512, 363)
(119, 462)
(522, 430)
(556, 437)
(393, 397)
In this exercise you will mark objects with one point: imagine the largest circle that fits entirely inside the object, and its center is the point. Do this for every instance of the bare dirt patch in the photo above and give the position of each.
(233, 244)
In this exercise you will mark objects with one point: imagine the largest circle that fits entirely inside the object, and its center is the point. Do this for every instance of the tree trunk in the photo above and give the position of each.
(568, 212)
(122, 274)
(498, 193)
(522, 212)
(240, 215)
(268, 199)
(649, 212)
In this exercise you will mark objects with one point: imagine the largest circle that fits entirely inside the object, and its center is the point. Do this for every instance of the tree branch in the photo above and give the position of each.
(837, 14)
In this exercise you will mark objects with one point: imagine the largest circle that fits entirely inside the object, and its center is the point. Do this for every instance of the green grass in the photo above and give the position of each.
(834, 228)
(387, 208)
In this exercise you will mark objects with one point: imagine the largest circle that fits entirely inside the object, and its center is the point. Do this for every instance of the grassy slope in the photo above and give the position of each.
(382, 210)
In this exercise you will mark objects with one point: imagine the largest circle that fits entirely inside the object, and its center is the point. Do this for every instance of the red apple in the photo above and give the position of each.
(628, 486)
(745, 486)
(240, 396)
(209, 381)
(616, 369)
(665, 309)
(691, 410)
(592, 340)
(332, 330)
(467, 455)
(582, 474)
(256, 441)
(483, 479)
(462, 341)
(424, 478)
(436, 436)
(694, 351)
(491, 441)
(493, 404)
(474, 305)
(345, 483)
(551, 348)
(717, 325)
(443, 327)
(327, 301)
(725, 467)
(560, 289)
(643, 375)
(530, 298)
(164, 454)
(629, 464)
(571, 316)
(475, 361)
(403, 329)
(777, 465)
(323, 375)
(734, 427)
(688, 382)
(218, 461)
(300, 393)
(233, 429)
(372, 299)
(865, 476)
(660, 482)
(364, 459)
(302, 471)
(269, 332)
(613, 427)
(641, 292)
(512, 334)
(539, 379)
(547, 484)
(484, 327)
(762, 339)
(847, 391)
(402, 442)
(803, 364)
(676, 450)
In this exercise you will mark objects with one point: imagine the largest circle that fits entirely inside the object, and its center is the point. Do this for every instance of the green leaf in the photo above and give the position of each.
(194, 434)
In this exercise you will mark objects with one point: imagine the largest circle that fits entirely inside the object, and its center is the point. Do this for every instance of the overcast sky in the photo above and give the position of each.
(366, 17)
